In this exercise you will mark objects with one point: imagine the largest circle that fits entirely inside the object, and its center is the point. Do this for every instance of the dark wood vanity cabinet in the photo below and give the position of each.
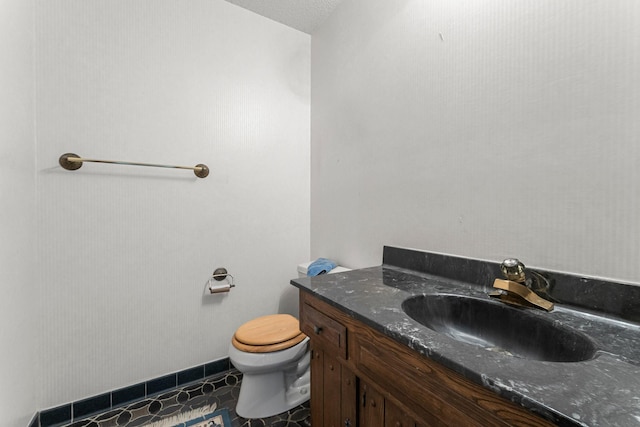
(360, 377)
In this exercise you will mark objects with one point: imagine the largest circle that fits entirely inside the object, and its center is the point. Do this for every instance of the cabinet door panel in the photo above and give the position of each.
(371, 407)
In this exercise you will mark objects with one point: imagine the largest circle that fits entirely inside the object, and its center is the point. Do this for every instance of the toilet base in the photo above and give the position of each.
(265, 395)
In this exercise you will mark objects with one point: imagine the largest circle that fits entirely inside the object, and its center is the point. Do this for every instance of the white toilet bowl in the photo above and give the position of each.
(274, 358)
(272, 381)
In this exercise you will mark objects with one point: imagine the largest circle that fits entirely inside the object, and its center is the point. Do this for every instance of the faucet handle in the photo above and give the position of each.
(513, 270)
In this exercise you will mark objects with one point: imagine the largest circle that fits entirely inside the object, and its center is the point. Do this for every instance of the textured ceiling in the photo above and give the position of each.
(303, 15)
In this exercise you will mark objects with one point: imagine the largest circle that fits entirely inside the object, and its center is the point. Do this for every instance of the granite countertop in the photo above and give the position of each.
(602, 391)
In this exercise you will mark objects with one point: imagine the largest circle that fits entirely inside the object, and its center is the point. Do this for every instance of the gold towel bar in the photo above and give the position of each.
(72, 162)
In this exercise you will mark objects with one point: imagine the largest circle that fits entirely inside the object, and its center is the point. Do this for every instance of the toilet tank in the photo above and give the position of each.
(302, 269)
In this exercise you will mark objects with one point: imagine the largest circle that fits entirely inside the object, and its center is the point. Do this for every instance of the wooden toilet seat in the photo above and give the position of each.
(269, 333)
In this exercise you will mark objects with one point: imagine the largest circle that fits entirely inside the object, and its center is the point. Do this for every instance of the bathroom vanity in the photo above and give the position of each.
(360, 374)
(375, 365)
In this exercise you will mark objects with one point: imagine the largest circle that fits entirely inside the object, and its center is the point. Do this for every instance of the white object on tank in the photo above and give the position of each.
(302, 269)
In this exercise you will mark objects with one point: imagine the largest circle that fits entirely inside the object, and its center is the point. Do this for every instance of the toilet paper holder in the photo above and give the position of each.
(219, 274)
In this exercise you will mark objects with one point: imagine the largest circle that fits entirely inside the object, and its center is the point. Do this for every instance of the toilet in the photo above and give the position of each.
(274, 358)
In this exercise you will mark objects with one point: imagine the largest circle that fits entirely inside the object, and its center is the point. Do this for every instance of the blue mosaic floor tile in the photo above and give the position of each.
(222, 389)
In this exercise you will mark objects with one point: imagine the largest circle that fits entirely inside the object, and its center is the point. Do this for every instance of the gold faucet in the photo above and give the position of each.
(519, 289)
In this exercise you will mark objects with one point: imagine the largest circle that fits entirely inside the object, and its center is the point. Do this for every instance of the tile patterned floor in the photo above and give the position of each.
(222, 389)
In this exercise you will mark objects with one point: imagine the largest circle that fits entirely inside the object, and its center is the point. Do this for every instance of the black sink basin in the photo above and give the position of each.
(499, 327)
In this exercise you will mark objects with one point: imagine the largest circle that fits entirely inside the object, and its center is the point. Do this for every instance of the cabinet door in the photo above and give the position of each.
(371, 407)
(333, 391)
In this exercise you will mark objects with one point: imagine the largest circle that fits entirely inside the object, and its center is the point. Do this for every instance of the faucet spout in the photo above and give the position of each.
(523, 287)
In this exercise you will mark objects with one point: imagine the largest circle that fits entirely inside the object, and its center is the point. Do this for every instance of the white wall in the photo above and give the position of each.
(18, 312)
(484, 129)
(124, 252)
